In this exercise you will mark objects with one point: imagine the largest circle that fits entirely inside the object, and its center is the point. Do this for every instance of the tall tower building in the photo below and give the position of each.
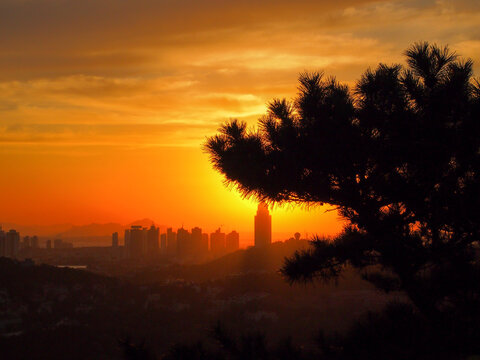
(263, 226)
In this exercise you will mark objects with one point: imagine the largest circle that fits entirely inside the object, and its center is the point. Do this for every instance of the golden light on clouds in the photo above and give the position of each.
(104, 104)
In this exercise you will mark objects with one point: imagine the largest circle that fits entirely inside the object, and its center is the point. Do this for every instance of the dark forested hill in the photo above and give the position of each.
(59, 313)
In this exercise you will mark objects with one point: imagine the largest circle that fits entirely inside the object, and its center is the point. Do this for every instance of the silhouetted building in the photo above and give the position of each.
(9, 243)
(199, 243)
(184, 243)
(126, 242)
(34, 242)
(163, 242)
(152, 247)
(135, 239)
(296, 237)
(2, 242)
(205, 242)
(263, 226)
(217, 243)
(196, 238)
(48, 244)
(115, 239)
(26, 242)
(12, 244)
(232, 241)
(171, 241)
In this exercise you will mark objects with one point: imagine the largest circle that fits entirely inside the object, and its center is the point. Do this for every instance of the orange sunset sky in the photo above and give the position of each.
(104, 104)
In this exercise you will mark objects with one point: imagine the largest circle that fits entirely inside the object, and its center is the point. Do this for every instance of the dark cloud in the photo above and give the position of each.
(47, 38)
(43, 35)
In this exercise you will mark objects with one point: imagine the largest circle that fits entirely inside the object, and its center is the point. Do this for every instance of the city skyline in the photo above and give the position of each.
(321, 220)
(141, 242)
(279, 233)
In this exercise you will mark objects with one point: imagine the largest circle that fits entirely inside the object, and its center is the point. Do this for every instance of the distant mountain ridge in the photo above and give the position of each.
(145, 222)
(39, 230)
(67, 231)
(91, 230)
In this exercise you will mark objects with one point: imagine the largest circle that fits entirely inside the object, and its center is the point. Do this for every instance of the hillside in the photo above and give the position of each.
(42, 308)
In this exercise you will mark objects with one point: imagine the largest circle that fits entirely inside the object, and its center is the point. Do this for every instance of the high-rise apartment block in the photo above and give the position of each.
(217, 243)
(134, 241)
(199, 242)
(184, 243)
(152, 246)
(9, 243)
(232, 241)
(163, 242)
(141, 242)
(171, 241)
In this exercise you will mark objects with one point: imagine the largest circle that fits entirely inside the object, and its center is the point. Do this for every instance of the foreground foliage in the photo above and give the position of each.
(399, 157)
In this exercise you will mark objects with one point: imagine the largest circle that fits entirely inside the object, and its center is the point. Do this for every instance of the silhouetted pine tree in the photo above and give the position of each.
(399, 156)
